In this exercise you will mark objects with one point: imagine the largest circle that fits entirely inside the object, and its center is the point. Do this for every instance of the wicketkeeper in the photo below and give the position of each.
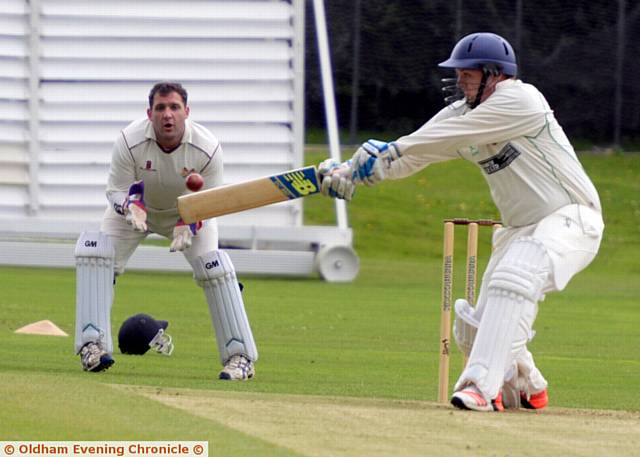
(151, 158)
(549, 207)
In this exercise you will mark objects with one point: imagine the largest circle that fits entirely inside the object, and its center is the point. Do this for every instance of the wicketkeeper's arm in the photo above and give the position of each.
(121, 176)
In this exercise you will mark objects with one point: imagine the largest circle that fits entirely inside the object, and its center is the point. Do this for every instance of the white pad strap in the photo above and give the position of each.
(94, 255)
(513, 290)
(216, 275)
(532, 379)
(522, 378)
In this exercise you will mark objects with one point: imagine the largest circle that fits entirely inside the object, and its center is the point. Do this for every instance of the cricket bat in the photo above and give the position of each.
(242, 196)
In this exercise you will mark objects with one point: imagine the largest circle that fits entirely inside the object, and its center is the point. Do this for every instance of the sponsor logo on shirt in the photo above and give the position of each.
(148, 166)
(501, 160)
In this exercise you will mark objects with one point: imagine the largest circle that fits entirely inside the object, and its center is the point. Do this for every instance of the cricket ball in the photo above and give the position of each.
(194, 182)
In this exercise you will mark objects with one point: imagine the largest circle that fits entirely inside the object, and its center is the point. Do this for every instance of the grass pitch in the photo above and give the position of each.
(345, 369)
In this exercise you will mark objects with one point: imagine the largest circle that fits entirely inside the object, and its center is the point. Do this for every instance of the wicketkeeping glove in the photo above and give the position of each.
(182, 235)
(336, 179)
(134, 210)
(371, 160)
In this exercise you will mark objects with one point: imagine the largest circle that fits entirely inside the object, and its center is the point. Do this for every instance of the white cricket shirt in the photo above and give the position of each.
(515, 140)
(136, 156)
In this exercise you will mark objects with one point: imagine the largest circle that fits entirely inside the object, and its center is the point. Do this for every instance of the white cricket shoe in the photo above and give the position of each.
(237, 368)
(94, 357)
(471, 398)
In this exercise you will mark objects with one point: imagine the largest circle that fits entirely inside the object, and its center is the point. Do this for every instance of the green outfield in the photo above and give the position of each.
(344, 369)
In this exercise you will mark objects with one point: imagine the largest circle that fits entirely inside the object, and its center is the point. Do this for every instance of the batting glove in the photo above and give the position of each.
(336, 179)
(371, 160)
(182, 235)
(134, 210)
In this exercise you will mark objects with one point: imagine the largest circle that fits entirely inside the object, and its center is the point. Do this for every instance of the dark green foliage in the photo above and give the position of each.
(568, 49)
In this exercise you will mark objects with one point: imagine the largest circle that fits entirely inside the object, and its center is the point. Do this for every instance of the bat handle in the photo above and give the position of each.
(344, 171)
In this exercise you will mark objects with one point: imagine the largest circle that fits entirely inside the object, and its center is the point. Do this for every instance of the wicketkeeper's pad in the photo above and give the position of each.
(216, 275)
(94, 255)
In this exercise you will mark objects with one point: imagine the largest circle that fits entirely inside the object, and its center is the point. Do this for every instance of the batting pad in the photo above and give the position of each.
(216, 275)
(465, 325)
(94, 289)
(514, 288)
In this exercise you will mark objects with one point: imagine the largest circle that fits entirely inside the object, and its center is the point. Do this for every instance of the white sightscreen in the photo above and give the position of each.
(75, 72)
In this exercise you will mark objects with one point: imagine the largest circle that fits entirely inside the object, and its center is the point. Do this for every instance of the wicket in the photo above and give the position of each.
(447, 288)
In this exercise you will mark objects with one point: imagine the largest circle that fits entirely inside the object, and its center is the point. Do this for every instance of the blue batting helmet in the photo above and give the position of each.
(138, 332)
(480, 50)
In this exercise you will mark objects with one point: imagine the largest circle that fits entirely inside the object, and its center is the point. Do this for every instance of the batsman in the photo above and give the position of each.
(549, 207)
(151, 159)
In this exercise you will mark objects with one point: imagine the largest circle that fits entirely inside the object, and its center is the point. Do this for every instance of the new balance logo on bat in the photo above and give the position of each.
(296, 184)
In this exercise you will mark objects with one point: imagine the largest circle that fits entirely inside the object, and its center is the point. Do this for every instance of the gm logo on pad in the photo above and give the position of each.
(212, 264)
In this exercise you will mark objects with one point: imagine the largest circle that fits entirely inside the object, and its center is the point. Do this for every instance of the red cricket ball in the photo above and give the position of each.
(194, 182)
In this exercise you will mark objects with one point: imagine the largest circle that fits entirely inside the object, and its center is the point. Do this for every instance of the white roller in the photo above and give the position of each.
(94, 255)
(337, 263)
(216, 275)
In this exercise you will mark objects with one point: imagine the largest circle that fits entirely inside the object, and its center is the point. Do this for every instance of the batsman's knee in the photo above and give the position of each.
(522, 271)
